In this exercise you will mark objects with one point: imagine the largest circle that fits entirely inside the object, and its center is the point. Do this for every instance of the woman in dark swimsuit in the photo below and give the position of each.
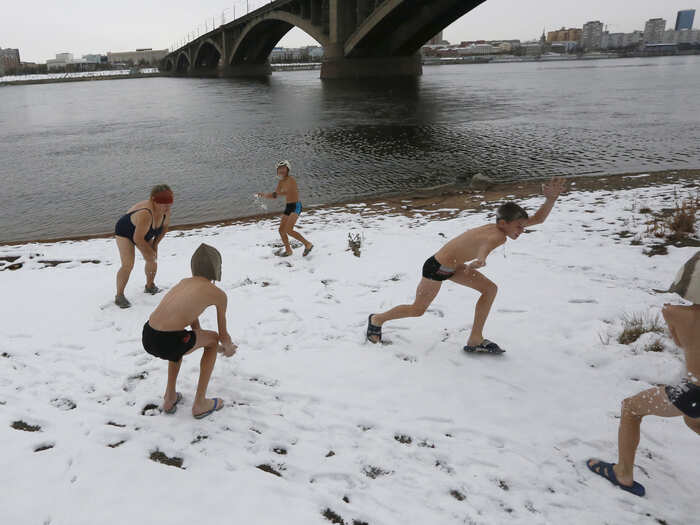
(137, 229)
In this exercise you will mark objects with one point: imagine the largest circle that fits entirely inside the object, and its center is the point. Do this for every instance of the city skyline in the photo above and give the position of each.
(159, 24)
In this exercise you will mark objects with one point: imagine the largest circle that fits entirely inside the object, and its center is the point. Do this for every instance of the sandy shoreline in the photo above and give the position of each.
(451, 198)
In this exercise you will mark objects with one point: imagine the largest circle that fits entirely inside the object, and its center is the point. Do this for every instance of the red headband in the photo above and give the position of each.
(163, 197)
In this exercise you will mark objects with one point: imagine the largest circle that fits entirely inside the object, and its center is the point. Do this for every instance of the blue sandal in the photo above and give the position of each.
(605, 470)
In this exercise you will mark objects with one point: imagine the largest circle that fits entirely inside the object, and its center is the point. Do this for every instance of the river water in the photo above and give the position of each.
(75, 156)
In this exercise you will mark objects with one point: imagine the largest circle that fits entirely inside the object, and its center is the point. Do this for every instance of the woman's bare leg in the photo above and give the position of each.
(126, 254)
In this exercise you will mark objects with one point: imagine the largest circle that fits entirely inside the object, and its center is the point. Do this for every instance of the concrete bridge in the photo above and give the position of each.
(360, 38)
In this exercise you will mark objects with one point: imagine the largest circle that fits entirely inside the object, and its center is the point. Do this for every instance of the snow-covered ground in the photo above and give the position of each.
(410, 432)
(80, 74)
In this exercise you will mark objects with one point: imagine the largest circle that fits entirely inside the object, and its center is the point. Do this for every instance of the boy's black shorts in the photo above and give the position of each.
(685, 397)
(434, 271)
(167, 345)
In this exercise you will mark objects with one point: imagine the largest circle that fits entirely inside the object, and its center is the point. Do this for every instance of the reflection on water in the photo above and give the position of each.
(73, 157)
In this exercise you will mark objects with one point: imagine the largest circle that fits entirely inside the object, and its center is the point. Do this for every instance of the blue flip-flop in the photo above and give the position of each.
(173, 408)
(218, 405)
(606, 471)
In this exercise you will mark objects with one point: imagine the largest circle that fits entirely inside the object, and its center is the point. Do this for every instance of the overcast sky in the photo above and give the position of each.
(42, 28)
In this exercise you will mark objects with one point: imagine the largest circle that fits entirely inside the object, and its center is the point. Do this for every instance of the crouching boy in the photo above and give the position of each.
(165, 334)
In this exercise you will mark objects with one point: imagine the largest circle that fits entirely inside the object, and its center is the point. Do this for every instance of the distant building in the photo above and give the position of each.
(61, 61)
(565, 35)
(95, 59)
(684, 19)
(654, 31)
(564, 47)
(684, 36)
(632, 39)
(436, 40)
(592, 35)
(612, 40)
(9, 59)
(147, 55)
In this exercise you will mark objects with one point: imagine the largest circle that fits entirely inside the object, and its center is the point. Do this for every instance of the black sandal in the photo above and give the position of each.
(373, 331)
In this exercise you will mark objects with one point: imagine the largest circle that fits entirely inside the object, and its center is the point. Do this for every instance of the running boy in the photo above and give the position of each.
(682, 399)
(449, 263)
(164, 333)
(287, 186)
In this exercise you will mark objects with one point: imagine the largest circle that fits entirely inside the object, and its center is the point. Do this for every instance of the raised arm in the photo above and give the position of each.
(551, 191)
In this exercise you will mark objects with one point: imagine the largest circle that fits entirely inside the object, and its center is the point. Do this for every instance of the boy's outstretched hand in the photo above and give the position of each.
(554, 187)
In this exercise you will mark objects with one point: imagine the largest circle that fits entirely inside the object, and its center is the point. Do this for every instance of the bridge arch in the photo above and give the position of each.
(259, 37)
(401, 27)
(168, 64)
(183, 63)
(207, 55)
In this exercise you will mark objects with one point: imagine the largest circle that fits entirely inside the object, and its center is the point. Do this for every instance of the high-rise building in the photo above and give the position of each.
(9, 58)
(654, 31)
(684, 19)
(592, 35)
(572, 34)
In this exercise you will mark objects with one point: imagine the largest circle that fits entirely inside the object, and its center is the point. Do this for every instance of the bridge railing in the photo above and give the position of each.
(236, 9)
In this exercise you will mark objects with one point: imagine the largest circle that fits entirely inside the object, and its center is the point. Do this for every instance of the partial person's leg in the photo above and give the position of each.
(283, 231)
(290, 230)
(425, 293)
(170, 392)
(151, 269)
(210, 342)
(473, 279)
(126, 254)
(652, 402)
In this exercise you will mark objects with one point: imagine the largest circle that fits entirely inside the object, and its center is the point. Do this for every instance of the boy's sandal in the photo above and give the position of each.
(485, 347)
(606, 470)
(307, 251)
(373, 331)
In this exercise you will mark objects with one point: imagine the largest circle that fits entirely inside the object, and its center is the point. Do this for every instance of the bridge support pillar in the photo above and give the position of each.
(349, 68)
(246, 70)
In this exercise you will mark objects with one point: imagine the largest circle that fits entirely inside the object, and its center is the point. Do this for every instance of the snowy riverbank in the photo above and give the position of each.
(409, 432)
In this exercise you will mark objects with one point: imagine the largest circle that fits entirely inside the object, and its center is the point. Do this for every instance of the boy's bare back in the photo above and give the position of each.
(184, 303)
(476, 243)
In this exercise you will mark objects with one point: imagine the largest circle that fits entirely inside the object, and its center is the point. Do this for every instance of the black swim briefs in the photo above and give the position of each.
(434, 271)
(167, 345)
(685, 397)
(292, 207)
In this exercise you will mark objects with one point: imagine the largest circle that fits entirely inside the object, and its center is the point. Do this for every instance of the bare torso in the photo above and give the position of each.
(288, 188)
(183, 304)
(470, 245)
